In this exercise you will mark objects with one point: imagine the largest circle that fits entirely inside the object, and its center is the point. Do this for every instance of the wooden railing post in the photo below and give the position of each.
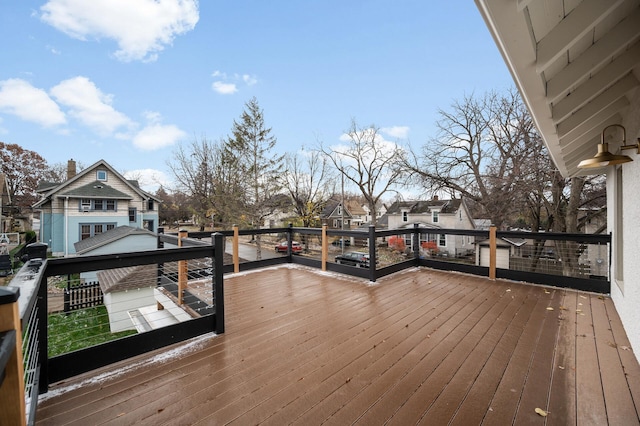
(492, 252)
(12, 391)
(183, 270)
(325, 247)
(236, 249)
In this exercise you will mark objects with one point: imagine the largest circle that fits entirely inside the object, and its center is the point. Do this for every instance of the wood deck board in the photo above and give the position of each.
(422, 345)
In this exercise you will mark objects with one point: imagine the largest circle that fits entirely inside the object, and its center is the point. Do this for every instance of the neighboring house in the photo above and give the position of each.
(381, 209)
(5, 203)
(358, 213)
(89, 203)
(334, 214)
(577, 67)
(435, 214)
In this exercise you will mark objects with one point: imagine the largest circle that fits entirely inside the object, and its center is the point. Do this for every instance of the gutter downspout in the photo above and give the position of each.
(66, 226)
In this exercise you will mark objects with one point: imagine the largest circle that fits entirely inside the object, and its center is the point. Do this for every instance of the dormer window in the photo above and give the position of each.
(405, 216)
(435, 216)
(101, 175)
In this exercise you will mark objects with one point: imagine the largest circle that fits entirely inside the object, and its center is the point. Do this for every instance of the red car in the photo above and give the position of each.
(296, 247)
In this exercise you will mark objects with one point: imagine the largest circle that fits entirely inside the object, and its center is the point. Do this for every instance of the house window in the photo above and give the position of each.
(442, 240)
(85, 205)
(405, 216)
(97, 204)
(339, 211)
(435, 216)
(101, 175)
(335, 223)
(150, 205)
(111, 205)
(88, 230)
(132, 214)
(85, 232)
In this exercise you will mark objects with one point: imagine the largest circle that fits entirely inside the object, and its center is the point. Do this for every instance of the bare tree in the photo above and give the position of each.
(482, 152)
(309, 182)
(211, 180)
(369, 162)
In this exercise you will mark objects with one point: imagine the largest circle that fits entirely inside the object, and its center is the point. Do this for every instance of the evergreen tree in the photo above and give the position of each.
(250, 153)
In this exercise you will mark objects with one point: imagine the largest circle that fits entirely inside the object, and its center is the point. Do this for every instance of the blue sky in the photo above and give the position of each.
(128, 80)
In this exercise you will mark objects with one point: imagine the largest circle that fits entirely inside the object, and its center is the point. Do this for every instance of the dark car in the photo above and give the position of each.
(340, 241)
(354, 258)
(296, 247)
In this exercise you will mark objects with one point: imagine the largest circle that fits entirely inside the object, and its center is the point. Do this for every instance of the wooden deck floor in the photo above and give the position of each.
(418, 347)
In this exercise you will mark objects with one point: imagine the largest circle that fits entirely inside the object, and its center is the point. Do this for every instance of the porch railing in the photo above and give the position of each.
(191, 277)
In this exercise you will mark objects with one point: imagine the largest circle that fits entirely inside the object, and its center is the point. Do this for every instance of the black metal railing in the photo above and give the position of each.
(565, 260)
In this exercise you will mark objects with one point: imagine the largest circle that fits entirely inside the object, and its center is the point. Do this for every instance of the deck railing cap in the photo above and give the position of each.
(9, 295)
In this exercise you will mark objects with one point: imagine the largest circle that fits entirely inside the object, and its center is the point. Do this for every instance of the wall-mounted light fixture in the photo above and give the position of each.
(604, 157)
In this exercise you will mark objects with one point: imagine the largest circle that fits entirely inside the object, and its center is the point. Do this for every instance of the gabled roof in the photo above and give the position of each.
(96, 189)
(108, 237)
(50, 190)
(420, 207)
(355, 208)
(128, 278)
(330, 210)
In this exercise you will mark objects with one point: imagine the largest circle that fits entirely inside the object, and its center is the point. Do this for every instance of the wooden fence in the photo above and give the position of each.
(85, 295)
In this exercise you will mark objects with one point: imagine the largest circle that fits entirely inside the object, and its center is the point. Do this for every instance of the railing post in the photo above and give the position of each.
(236, 249)
(289, 243)
(218, 277)
(183, 270)
(372, 253)
(12, 390)
(492, 252)
(325, 247)
(415, 238)
(160, 232)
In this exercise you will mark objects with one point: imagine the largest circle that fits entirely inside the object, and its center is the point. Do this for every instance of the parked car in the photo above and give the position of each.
(296, 247)
(339, 242)
(354, 258)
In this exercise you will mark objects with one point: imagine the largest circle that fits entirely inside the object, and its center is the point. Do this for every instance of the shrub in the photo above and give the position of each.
(397, 243)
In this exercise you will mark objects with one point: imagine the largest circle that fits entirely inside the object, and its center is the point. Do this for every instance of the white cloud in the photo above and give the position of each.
(89, 105)
(224, 88)
(20, 98)
(249, 79)
(155, 135)
(400, 132)
(141, 28)
(149, 179)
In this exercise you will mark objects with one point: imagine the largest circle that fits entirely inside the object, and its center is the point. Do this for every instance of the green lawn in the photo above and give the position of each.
(80, 329)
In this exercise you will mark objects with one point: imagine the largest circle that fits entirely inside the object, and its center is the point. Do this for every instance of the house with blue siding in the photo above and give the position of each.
(91, 202)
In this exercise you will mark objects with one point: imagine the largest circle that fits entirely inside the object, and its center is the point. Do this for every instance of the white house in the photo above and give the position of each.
(435, 214)
(577, 66)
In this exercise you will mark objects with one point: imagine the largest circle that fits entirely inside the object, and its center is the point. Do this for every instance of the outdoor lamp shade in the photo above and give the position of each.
(604, 157)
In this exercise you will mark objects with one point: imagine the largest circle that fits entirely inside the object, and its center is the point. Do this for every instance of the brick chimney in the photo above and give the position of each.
(71, 169)
(435, 198)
